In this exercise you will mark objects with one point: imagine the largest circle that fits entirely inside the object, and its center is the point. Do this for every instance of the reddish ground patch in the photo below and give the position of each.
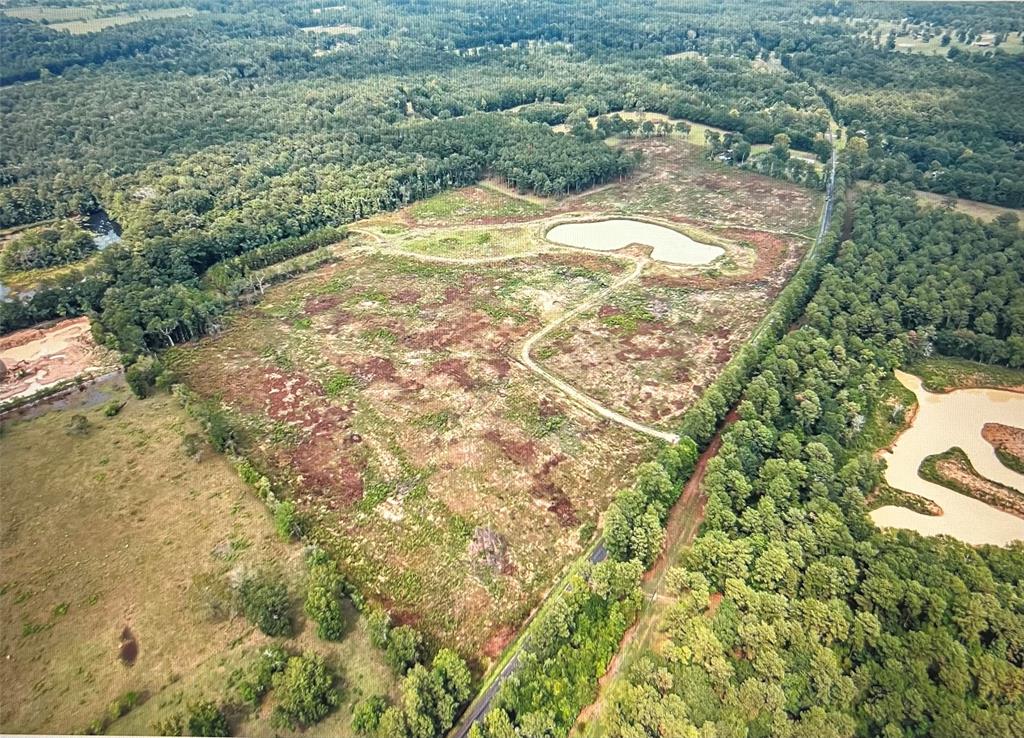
(522, 452)
(457, 369)
(545, 487)
(497, 642)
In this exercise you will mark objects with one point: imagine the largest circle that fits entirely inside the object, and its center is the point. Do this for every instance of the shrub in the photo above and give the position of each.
(265, 603)
(404, 648)
(366, 715)
(141, 376)
(305, 692)
(206, 719)
(253, 682)
(112, 408)
(192, 445)
(287, 521)
(378, 623)
(78, 426)
(170, 725)
(324, 597)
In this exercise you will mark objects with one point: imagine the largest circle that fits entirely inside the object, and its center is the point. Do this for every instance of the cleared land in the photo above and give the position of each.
(381, 390)
(980, 210)
(341, 29)
(87, 19)
(384, 392)
(129, 540)
(650, 349)
(38, 359)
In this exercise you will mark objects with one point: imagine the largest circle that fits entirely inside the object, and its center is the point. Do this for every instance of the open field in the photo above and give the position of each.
(125, 544)
(384, 392)
(51, 14)
(86, 19)
(92, 25)
(651, 349)
(341, 29)
(980, 210)
(683, 186)
(381, 391)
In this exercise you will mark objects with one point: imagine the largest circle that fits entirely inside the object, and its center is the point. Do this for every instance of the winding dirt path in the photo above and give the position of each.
(571, 393)
(585, 401)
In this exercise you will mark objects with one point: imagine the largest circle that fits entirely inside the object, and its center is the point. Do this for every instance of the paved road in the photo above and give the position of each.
(482, 703)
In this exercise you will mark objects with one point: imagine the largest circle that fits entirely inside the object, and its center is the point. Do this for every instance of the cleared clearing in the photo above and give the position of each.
(980, 210)
(384, 392)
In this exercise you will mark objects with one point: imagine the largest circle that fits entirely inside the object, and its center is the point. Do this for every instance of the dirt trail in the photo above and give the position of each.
(683, 523)
(573, 394)
(567, 389)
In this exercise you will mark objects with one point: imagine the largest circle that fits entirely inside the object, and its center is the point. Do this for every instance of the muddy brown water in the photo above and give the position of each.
(668, 245)
(942, 422)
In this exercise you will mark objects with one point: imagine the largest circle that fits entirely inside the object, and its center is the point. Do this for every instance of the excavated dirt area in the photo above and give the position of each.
(37, 358)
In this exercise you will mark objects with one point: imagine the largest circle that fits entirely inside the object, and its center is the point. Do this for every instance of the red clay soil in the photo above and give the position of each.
(1006, 438)
(496, 644)
(522, 453)
(546, 488)
(457, 369)
(772, 252)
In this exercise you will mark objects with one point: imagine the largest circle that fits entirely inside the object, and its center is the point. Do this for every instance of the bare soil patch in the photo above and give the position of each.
(1008, 443)
(37, 358)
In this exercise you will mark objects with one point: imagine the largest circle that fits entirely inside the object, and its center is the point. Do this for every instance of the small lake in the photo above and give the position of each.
(668, 245)
(943, 421)
(105, 231)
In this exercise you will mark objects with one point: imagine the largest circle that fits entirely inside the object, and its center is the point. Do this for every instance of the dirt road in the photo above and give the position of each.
(573, 394)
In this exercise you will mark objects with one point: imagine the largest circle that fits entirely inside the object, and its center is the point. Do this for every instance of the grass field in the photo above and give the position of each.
(51, 13)
(980, 210)
(381, 391)
(87, 19)
(126, 541)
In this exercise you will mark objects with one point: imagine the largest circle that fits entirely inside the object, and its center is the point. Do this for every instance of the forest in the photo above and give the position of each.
(240, 82)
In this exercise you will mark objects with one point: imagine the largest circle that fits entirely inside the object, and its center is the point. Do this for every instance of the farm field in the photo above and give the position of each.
(126, 547)
(87, 19)
(385, 395)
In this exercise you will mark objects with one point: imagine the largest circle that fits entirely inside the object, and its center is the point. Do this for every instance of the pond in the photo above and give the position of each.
(942, 422)
(105, 231)
(610, 235)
